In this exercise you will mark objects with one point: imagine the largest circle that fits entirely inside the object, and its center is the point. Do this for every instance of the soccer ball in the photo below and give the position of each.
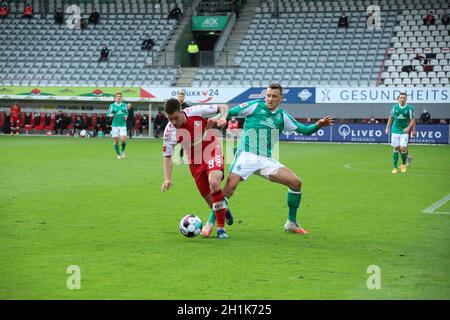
(190, 226)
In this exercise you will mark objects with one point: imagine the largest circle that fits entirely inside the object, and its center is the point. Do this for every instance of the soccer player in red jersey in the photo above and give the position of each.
(206, 163)
(14, 119)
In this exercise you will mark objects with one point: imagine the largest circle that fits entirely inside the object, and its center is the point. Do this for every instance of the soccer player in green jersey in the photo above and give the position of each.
(402, 120)
(119, 112)
(264, 121)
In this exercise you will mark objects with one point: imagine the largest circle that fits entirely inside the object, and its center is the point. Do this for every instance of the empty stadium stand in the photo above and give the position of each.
(419, 54)
(298, 43)
(40, 52)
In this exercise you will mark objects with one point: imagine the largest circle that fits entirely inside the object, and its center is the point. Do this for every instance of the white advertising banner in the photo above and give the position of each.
(382, 95)
(193, 95)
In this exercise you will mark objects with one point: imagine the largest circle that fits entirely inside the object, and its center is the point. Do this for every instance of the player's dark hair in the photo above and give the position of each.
(402, 94)
(171, 106)
(278, 86)
(120, 93)
(181, 93)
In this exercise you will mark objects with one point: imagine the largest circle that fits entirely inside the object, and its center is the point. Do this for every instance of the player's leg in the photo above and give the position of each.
(404, 151)
(395, 142)
(219, 204)
(115, 136)
(286, 177)
(123, 137)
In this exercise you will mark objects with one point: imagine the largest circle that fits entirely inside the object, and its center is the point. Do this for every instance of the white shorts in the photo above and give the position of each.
(247, 163)
(399, 140)
(118, 131)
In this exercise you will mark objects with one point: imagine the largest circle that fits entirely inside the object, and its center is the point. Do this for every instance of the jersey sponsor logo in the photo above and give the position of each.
(269, 123)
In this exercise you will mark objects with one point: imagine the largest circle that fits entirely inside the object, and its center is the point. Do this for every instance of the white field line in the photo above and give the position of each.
(437, 205)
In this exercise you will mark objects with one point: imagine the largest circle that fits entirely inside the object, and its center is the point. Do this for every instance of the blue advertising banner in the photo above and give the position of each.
(370, 133)
(364, 133)
(323, 135)
(302, 95)
(431, 134)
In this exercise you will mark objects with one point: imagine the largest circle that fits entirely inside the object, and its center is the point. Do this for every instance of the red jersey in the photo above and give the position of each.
(196, 140)
(202, 146)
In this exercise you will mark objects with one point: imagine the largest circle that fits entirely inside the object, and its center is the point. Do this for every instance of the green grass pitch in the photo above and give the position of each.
(66, 201)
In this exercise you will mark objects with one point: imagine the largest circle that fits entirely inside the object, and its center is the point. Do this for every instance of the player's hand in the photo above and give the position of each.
(324, 122)
(386, 131)
(166, 185)
(221, 122)
(413, 133)
(406, 130)
(210, 123)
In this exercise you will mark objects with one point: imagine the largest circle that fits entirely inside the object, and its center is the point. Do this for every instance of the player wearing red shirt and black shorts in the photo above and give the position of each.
(206, 162)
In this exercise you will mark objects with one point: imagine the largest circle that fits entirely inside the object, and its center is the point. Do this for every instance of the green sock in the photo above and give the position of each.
(212, 217)
(404, 155)
(395, 157)
(116, 147)
(124, 144)
(293, 201)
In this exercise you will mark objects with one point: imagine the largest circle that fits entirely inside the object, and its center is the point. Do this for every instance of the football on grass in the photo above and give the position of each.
(190, 226)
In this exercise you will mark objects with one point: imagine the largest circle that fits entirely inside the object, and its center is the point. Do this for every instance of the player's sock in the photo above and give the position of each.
(404, 156)
(124, 144)
(293, 201)
(212, 216)
(395, 157)
(116, 147)
(220, 207)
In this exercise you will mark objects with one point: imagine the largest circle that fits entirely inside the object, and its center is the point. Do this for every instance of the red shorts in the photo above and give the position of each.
(200, 172)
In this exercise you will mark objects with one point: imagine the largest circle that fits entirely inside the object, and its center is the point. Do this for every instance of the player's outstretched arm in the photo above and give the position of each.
(325, 122)
(168, 164)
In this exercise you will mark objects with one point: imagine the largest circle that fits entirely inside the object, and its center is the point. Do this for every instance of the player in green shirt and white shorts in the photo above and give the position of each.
(263, 124)
(119, 112)
(402, 120)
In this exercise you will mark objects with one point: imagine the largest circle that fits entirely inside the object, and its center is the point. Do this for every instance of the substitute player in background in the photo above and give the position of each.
(205, 158)
(402, 120)
(118, 111)
(14, 119)
(264, 121)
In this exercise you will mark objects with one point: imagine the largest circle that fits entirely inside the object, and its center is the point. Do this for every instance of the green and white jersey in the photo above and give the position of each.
(120, 111)
(402, 116)
(263, 126)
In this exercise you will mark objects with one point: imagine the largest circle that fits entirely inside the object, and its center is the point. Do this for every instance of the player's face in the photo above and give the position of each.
(273, 98)
(402, 100)
(181, 98)
(118, 98)
(176, 118)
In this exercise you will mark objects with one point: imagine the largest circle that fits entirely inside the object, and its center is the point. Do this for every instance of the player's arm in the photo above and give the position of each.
(292, 125)
(110, 113)
(242, 110)
(220, 120)
(169, 143)
(125, 114)
(412, 122)
(391, 118)
(168, 164)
